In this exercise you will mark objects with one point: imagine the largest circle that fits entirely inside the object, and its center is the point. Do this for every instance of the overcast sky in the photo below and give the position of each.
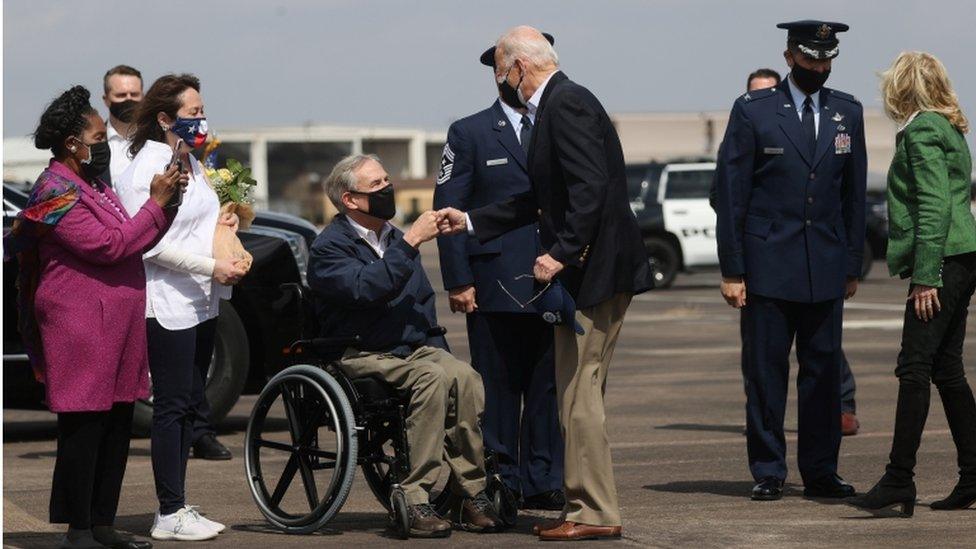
(414, 63)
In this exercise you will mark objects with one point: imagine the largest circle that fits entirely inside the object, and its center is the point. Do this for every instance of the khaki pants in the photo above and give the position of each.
(582, 362)
(443, 419)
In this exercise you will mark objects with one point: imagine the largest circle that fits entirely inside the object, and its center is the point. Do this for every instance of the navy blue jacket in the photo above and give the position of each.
(484, 163)
(792, 225)
(388, 302)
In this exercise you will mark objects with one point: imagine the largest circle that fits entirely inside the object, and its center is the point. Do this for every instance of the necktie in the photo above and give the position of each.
(525, 134)
(809, 129)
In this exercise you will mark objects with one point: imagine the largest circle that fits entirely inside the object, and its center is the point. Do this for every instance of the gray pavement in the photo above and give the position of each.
(675, 407)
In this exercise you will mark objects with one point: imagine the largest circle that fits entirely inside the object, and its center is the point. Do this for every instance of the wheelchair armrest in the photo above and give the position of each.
(436, 331)
(327, 343)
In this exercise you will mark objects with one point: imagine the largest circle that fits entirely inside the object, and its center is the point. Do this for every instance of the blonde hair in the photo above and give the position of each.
(917, 81)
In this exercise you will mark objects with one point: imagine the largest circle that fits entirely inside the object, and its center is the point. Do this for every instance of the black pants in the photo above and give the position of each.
(93, 448)
(201, 417)
(932, 351)
(178, 362)
(769, 328)
(514, 354)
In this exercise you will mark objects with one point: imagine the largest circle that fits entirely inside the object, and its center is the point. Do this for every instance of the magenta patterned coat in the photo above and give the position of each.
(90, 303)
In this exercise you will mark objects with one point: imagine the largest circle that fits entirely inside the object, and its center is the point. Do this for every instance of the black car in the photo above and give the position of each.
(251, 328)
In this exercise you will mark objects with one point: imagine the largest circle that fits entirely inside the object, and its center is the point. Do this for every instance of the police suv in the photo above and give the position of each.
(670, 202)
(677, 222)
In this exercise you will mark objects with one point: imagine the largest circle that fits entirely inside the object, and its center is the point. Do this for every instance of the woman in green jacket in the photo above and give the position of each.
(932, 241)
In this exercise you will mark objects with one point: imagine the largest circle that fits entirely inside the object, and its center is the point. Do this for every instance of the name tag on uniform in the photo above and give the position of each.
(772, 150)
(842, 143)
(497, 162)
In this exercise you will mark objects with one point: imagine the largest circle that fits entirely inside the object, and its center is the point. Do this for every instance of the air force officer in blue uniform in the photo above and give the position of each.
(791, 182)
(511, 345)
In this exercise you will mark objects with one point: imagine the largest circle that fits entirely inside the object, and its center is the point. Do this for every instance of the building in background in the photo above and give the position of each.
(290, 163)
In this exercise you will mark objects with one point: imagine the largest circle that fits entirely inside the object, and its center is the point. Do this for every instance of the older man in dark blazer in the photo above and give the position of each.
(579, 198)
(511, 345)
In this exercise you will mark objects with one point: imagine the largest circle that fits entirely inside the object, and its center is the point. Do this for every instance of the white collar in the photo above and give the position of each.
(799, 97)
(514, 117)
(367, 234)
(533, 102)
(111, 133)
(907, 122)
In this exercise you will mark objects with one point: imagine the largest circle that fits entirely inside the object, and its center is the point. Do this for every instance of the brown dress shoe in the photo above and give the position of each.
(849, 424)
(426, 523)
(575, 531)
(478, 514)
(547, 525)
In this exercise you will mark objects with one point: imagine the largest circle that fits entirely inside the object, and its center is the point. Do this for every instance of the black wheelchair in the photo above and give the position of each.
(332, 424)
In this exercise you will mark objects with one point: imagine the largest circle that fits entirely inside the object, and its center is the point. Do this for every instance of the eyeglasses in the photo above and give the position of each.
(529, 302)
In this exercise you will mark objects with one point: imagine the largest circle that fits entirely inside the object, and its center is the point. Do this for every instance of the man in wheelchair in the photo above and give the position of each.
(368, 281)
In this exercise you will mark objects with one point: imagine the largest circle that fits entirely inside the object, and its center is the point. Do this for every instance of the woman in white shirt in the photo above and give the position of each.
(184, 286)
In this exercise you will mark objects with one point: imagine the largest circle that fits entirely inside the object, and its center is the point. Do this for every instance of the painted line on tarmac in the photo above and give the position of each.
(717, 300)
(738, 439)
(851, 345)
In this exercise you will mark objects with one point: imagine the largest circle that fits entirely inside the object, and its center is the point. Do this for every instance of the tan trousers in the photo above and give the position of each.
(443, 419)
(582, 362)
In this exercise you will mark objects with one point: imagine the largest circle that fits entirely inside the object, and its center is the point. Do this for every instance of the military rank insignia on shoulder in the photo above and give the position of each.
(447, 165)
(758, 94)
(843, 95)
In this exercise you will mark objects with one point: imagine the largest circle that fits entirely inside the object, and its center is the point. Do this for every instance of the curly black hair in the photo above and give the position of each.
(64, 117)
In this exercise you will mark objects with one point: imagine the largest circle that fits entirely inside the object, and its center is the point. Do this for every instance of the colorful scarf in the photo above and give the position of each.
(52, 197)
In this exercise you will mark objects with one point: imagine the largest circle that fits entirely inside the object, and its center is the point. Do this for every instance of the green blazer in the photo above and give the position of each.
(928, 199)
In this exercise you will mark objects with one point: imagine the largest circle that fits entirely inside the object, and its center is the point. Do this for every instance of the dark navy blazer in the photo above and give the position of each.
(792, 225)
(388, 302)
(484, 163)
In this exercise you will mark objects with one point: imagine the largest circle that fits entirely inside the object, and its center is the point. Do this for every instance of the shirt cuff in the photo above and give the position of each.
(179, 260)
(467, 221)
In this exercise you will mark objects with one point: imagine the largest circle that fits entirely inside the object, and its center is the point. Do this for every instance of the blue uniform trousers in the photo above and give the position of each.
(514, 354)
(769, 327)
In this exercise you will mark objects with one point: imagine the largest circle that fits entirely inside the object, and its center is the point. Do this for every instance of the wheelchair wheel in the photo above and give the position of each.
(399, 512)
(302, 425)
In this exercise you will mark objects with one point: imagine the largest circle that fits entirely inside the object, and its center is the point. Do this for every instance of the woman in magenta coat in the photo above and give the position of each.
(82, 307)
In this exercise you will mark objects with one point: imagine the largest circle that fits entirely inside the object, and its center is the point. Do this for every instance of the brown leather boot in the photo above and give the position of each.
(426, 523)
(478, 514)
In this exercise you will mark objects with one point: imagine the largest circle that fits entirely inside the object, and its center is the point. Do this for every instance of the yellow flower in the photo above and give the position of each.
(225, 174)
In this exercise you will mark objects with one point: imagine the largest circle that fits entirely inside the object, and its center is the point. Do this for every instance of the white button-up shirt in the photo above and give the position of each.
(119, 145)
(799, 97)
(378, 242)
(533, 103)
(177, 299)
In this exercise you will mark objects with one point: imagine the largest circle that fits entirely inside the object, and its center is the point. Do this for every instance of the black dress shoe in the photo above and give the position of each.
(830, 486)
(208, 447)
(110, 537)
(768, 489)
(551, 500)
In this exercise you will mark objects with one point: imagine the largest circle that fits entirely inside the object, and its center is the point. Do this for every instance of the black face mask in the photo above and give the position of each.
(807, 80)
(382, 203)
(97, 163)
(123, 110)
(509, 94)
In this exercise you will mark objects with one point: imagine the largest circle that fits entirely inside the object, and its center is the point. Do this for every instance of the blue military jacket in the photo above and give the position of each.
(484, 163)
(386, 301)
(790, 223)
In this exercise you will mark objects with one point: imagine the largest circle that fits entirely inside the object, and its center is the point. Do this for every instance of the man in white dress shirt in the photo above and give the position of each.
(123, 91)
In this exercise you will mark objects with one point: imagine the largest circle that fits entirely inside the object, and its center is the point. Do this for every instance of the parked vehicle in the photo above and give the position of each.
(251, 332)
(677, 223)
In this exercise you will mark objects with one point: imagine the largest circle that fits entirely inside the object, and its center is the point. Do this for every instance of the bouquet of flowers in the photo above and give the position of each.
(233, 186)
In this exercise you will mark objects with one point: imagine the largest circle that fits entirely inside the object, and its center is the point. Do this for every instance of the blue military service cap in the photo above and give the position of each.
(815, 39)
(558, 307)
(488, 58)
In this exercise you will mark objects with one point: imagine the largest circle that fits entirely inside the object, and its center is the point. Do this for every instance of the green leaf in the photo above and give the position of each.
(233, 165)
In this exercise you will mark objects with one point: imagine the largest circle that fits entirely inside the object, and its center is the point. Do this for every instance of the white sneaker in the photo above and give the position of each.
(212, 524)
(180, 526)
